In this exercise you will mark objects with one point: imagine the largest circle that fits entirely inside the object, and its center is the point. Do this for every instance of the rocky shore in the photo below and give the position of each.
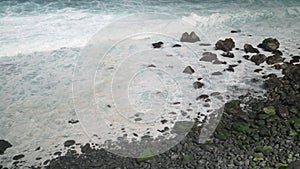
(263, 133)
(254, 132)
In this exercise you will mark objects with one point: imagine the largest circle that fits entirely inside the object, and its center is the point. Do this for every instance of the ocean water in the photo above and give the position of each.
(41, 43)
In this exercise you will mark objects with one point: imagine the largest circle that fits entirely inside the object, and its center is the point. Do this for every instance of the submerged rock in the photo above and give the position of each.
(176, 45)
(18, 157)
(269, 44)
(258, 59)
(225, 45)
(4, 145)
(274, 59)
(250, 49)
(192, 37)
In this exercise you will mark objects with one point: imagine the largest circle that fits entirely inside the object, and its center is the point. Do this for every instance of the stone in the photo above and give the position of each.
(274, 59)
(69, 143)
(157, 45)
(86, 148)
(192, 37)
(233, 107)
(189, 70)
(203, 96)
(176, 45)
(258, 59)
(4, 145)
(225, 45)
(18, 157)
(250, 49)
(228, 55)
(197, 85)
(235, 31)
(208, 57)
(269, 44)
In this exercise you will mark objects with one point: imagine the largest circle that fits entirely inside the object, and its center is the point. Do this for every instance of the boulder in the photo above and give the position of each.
(189, 70)
(269, 44)
(258, 59)
(250, 49)
(274, 59)
(225, 45)
(157, 45)
(192, 37)
(4, 145)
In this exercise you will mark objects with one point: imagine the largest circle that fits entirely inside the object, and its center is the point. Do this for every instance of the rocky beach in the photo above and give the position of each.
(254, 132)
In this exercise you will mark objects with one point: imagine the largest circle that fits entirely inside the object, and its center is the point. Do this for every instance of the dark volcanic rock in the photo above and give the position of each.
(228, 55)
(189, 70)
(293, 73)
(197, 85)
(157, 45)
(176, 45)
(269, 44)
(203, 96)
(235, 31)
(295, 59)
(192, 37)
(246, 57)
(277, 52)
(18, 157)
(294, 165)
(274, 59)
(258, 59)
(4, 145)
(225, 45)
(233, 107)
(86, 148)
(250, 49)
(69, 143)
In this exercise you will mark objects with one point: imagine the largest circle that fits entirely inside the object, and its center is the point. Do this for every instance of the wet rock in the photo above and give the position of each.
(233, 107)
(273, 83)
(18, 157)
(228, 55)
(274, 59)
(246, 57)
(292, 73)
(230, 68)
(197, 85)
(192, 37)
(208, 57)
(86, 148)
(73, 121)
(202, 97)
(250, 49)
(4, 145)
(258, 59)
(277, 52)
(269, 44)
(151, 65)
(258, 70)
(176, 45)
(69, 143)
(295, 59)
(225, 45)
(235, 31)
(189, 70)
(157, 45)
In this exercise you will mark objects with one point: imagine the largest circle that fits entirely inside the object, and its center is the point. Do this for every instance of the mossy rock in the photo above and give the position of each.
(281, 165)
(242, 127)
(233, 107)
(294, 120)
(269, 110)
(188, 157)
(266, 148)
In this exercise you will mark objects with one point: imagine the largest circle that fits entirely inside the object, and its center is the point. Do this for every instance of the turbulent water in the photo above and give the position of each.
(41, 41)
